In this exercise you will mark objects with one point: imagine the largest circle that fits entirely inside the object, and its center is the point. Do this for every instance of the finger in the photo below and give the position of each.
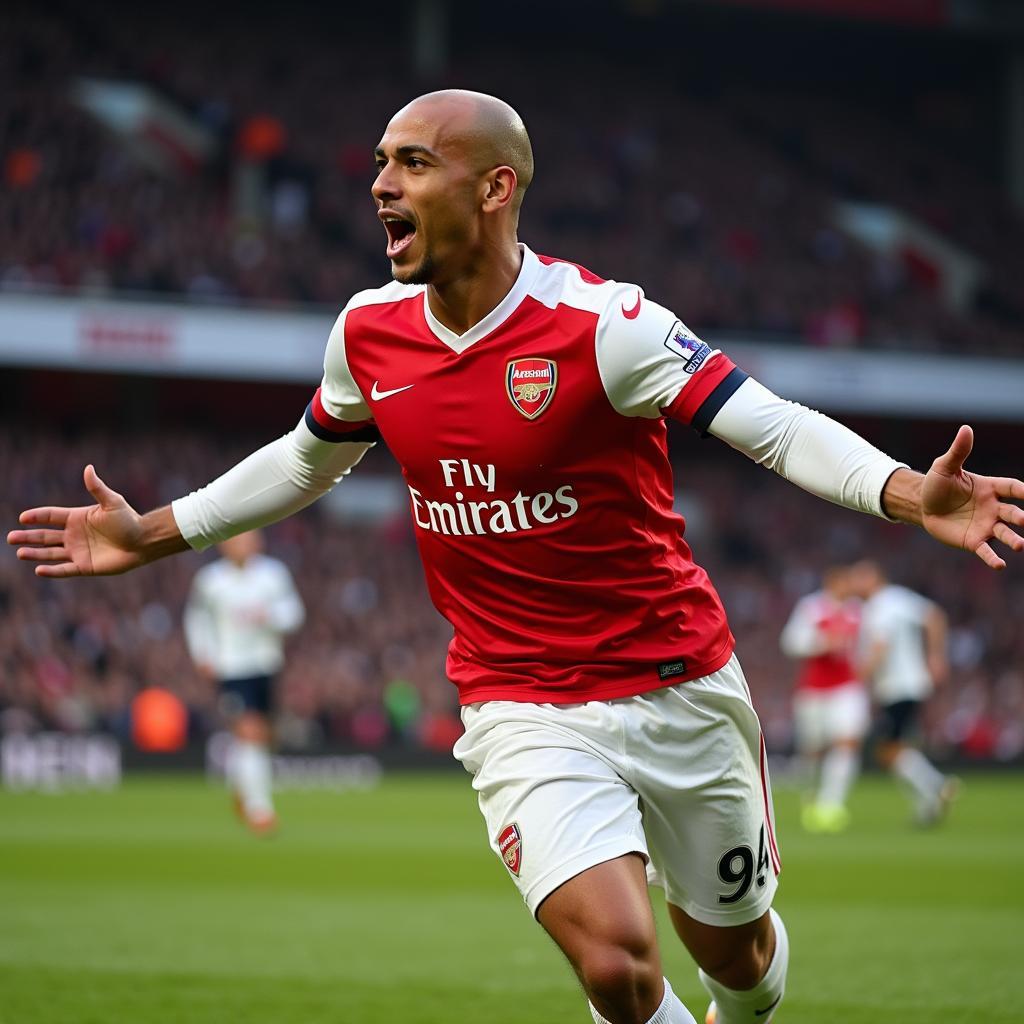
(105, 497)
(43, 554)
(57, 572)
(37, 537)
(1007, 487)
(1012, 540)
(46, 516)
(983, 551)
(1011, 514)
(953, 461)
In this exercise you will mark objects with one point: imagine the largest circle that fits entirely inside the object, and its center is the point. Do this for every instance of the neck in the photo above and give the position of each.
(465, 300)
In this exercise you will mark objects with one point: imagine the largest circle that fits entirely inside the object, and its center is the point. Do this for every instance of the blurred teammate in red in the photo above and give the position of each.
(831, 709)
(609, 728)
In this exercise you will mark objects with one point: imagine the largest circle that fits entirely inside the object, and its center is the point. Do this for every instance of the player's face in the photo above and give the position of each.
(427, 197)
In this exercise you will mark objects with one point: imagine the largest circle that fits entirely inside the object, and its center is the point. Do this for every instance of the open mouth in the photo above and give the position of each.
(401, 232)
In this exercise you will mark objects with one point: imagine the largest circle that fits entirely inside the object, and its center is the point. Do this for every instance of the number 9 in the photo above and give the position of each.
(727, 872)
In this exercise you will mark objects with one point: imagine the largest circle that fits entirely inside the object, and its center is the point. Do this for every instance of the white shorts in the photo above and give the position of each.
(677, 775)
(823, 717)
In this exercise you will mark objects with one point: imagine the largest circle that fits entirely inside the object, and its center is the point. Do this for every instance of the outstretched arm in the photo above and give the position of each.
(110, 537)
(961, 509)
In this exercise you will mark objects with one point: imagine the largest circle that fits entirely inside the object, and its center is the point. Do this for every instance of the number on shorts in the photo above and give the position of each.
(742, 878)
(763, 864)
(737, 868)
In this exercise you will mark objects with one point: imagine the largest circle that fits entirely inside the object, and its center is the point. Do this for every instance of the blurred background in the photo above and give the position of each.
(830, 190)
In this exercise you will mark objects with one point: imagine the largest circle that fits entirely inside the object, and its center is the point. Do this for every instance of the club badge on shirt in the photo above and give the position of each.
(510, 846)
(530, 384)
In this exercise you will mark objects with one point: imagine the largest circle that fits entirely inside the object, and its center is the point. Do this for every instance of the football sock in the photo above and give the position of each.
(838, 770)
(671, 1011)
(250, 777)
(758, 1003)
(918, 772)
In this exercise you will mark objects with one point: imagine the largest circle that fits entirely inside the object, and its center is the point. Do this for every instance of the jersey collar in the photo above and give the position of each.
(502, 311)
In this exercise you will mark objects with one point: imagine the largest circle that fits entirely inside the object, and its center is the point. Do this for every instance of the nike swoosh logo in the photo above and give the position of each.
(376, 394)
(761, 1013)
(632, 314)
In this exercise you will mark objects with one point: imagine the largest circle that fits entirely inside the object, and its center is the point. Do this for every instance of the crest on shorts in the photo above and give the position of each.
(530, 384)
(510, 846)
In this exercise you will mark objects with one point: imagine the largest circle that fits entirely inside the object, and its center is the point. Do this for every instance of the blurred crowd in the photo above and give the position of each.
(367, 669)
(720, 204)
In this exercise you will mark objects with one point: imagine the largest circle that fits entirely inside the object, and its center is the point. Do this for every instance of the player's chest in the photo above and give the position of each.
(238, 597)
(520, 401)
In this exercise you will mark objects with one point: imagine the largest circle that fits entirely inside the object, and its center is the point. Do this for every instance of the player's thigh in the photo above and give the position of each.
(898, 721)
(253, 694)
(707, 801)
(554, 807)
(847, 714)
(809, 723)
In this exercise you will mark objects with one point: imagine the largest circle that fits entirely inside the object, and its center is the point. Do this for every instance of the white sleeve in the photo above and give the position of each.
(341, 397)
(801, 637)
(293, 471)
(806, 447)
(646, 356)
(286, 475)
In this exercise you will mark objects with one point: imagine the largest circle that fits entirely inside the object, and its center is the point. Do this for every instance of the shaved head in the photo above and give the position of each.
(488, 131)
(452, 169)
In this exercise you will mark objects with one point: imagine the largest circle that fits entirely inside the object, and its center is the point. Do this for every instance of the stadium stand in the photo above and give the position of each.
(719, 199)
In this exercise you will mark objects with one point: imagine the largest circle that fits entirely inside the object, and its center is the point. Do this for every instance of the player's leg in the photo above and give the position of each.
(602, 921)
(809, 750)
(708, 817)
(743, 967)
(569, 832)
(247, 702)
(931, 790)
(846, 711)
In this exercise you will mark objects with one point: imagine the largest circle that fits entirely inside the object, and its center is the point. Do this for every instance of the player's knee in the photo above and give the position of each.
(743, 964)
(623, 973)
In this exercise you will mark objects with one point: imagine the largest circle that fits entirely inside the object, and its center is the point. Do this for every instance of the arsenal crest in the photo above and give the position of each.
(530, 384)
(510, 846)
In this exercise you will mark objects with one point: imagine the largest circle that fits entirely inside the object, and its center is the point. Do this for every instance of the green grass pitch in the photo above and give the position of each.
(150, 905)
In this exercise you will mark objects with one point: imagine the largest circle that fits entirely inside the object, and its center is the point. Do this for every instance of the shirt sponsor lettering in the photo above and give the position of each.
(458, 515)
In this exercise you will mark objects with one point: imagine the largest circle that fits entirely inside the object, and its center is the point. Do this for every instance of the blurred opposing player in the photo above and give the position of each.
(608, 723)
(830, 706)
(903, 654)
(239, 610)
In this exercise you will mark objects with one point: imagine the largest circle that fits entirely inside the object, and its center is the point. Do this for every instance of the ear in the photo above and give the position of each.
(499, 189)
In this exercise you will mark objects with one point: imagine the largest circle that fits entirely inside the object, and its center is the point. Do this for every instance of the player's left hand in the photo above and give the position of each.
(968, 511)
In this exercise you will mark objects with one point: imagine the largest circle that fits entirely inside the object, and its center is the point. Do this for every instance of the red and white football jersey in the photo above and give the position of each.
(534, 450)
(816, 623)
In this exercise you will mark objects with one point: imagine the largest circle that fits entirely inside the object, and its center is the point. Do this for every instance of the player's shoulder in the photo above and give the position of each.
(560, 282)
(208, 574)
(268, 565)
(377, 300)
(386, 295)
(816, 600)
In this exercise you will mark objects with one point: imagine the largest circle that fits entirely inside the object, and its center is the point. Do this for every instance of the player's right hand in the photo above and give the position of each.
(91, 540)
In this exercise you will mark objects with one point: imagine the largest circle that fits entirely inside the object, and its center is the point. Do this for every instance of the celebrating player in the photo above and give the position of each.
(609, 728)
(903, 654)
(830, 707)
(239, 610)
